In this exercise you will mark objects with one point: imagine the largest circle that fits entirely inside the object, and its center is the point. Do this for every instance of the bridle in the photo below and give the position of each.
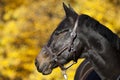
(69, 46)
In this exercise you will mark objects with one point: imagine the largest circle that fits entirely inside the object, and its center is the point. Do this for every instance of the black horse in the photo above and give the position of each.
(80, 36)
(86, 72)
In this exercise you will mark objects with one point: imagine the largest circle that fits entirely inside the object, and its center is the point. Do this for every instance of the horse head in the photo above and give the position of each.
(81, 36)
(62, 46)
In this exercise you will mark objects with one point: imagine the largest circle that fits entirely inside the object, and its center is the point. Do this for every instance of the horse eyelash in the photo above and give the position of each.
(59, 32)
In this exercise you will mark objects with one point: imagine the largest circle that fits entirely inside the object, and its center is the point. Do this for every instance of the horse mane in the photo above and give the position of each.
(85, 20)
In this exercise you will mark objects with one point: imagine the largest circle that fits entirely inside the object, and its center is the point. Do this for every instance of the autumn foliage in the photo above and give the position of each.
(26, 25)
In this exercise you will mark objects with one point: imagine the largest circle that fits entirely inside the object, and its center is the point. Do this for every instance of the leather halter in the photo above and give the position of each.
(69, 46)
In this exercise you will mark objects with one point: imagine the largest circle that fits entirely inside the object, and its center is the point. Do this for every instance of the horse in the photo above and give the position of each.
(81, 36)
(85, 71)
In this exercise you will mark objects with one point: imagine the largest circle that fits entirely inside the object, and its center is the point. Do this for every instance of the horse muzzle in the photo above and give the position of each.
(44, 68)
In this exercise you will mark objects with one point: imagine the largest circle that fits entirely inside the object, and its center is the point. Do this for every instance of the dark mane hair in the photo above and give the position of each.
(101, 29)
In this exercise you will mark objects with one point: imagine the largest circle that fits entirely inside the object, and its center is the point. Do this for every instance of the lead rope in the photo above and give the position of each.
(64, 74)
(73, 35)
(64, 70)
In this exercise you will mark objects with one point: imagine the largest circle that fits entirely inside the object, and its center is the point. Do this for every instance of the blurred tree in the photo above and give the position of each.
(115, 2)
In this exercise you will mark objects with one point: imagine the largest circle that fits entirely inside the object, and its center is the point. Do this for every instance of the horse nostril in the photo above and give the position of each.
(40, 69)
(36, 63)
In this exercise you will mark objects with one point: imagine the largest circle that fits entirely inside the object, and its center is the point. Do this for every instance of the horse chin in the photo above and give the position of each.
(47, 72)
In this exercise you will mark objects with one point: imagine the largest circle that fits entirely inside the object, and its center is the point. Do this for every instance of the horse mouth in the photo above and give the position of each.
(46, 72)
(48, 69)
(45, 69)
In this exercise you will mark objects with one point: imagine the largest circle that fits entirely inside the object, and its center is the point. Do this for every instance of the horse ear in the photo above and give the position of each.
(69, 11)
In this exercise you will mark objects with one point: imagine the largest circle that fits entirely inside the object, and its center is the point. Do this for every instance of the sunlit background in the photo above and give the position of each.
(26, 25)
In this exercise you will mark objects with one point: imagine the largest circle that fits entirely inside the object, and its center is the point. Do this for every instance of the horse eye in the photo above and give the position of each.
(44, 52)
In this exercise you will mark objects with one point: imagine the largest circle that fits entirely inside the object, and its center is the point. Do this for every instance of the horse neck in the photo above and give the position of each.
(109, 35)
(89, 22)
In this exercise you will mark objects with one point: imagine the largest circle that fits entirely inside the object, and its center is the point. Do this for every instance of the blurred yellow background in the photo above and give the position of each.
(26, 25)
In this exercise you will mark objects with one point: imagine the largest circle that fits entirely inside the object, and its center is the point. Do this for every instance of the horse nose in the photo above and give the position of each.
(36, 63)
(38, 66)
